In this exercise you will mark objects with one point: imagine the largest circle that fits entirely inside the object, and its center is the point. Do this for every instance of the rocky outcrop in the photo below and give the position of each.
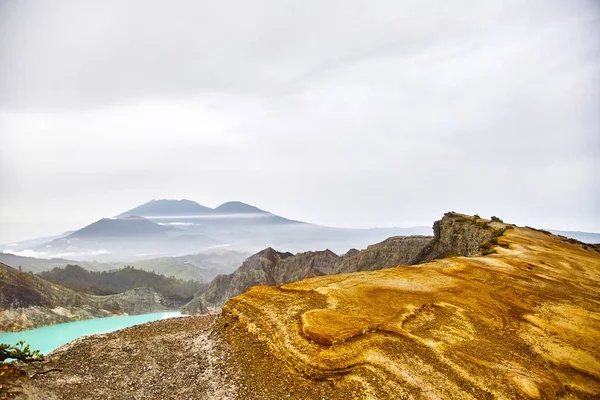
(28, 301)
(461, 235)
(454, 235)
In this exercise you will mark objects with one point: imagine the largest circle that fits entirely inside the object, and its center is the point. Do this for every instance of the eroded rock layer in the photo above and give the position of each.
(521, 322)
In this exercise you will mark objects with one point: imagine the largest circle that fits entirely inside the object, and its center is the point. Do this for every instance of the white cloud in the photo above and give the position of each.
(345, 114)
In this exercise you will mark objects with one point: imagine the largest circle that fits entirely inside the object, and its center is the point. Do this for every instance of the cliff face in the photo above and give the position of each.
(521, 321)
(397, 250)
(27, 302)
(259, 269)
(305, 265)
(456, 234)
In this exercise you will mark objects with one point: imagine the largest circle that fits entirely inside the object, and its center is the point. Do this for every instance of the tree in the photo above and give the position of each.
(20, 352)
(11, 374)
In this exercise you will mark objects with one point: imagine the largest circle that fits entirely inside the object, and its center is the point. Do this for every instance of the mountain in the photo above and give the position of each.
(120, 228)
(237, 207)
(170, 208)
(28, 244)
(171, 228)
(114, 239)
(165, 207)
(514, 317)
(452, 236)
(586, 237)
(28, 301)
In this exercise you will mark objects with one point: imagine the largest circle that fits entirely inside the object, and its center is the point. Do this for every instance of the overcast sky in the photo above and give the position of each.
(344, 113)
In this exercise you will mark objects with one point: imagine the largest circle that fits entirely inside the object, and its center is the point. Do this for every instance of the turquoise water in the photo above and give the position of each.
(48, 338)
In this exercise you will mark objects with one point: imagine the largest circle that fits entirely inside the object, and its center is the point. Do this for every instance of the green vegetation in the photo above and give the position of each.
(118, 281)
(496, 219)
(20, 352)
(488, 247)
(11, 372)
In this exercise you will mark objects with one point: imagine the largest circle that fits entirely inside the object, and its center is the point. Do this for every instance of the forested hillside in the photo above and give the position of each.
(118, 281)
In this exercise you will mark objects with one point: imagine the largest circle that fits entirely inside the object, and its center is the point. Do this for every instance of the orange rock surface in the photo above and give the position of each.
(522, 322)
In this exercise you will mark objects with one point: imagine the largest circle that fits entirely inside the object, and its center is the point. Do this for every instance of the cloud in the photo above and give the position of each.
(85, 54)
(353, 114)
(47, 255)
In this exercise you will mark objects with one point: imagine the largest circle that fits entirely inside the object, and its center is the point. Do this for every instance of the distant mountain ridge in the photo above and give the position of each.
(173, 228)
(237, 207)
(121, 228)
(586, 237)
(111, 239)
(202, 267)
(165, 207)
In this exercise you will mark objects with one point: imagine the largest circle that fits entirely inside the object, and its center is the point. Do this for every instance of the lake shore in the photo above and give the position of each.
(48, 338)
(198, 357)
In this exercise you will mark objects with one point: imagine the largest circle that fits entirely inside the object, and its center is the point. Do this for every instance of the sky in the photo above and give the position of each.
(342, 113)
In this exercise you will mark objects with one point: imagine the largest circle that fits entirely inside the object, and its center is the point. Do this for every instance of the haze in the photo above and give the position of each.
(354, 114)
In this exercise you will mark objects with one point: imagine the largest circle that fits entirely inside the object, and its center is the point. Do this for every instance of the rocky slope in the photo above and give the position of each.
(455, 234)
(397, 250)
(256, 270)
(520, 322)
(28, 301)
